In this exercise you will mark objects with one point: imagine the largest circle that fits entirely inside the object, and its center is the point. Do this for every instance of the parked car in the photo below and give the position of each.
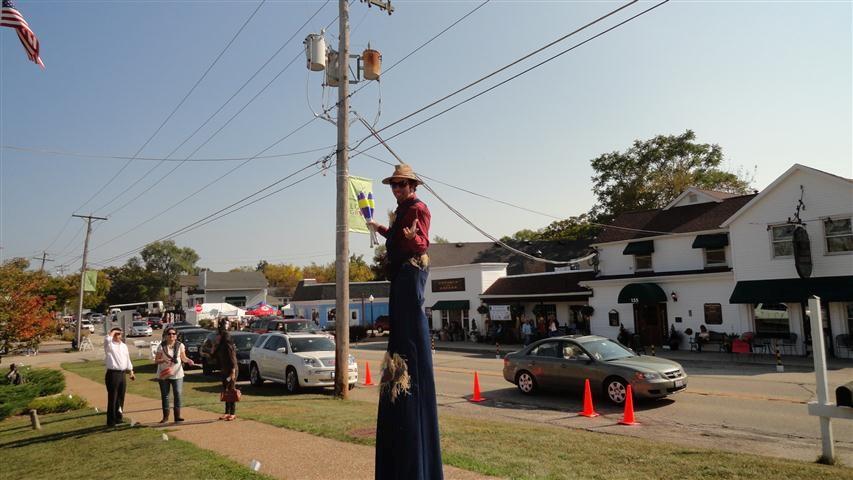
(565, 362)
(243, 341)
(87, 325)
(297, 360)
(279, 324)
(97, 318)
(155, 322)
(140, 328)
(192, 338)
(180, 326)
(381, 324)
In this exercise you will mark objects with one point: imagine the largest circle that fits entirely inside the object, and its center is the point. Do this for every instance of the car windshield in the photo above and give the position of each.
(605, 350)
(244, 342)
(194, 337)
(296, 326)
(137, 324)
(312, 344)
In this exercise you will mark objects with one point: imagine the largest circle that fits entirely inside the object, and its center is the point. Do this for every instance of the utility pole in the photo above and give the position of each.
(342, 314)
(89, 219)
(43, 259)
(342, 232)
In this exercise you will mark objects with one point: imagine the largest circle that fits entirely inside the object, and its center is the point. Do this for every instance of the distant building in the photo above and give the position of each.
(236, 288)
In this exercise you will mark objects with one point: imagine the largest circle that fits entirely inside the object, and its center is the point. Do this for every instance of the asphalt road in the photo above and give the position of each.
(744, 409)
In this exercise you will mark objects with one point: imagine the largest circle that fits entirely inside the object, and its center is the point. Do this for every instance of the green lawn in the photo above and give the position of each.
(76, 445)
(500, 448)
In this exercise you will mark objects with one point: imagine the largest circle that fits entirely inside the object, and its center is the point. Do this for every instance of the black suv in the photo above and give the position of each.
(192, 338)
(243, 341)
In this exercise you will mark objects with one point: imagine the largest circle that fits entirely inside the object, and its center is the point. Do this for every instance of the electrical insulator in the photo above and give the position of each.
(372, 63)
(315, 51)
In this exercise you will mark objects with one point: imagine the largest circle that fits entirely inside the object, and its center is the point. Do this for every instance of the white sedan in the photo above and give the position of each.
(297, 360)
(140, 328)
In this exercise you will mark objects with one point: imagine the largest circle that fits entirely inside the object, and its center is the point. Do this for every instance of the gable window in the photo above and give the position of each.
(715, 257)
(781, 240)
(642, 262)
(839, 235)
(239, 302)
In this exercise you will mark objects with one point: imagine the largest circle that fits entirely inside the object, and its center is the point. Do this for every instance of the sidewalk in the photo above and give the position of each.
(284, 454)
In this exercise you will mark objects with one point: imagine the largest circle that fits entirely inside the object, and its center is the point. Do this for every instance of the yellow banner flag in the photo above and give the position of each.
(359, 187)
(90, 281)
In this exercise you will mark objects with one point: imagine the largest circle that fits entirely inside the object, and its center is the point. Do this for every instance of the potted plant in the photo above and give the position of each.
(674, 338)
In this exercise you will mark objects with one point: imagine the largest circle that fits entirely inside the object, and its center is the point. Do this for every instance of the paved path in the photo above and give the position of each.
(283, 453)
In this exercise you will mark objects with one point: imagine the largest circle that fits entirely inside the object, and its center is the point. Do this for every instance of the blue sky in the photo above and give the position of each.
(770, 82)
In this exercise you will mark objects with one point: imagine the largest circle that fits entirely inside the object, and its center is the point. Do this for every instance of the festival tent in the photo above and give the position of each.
(261, 310)
(210, 311)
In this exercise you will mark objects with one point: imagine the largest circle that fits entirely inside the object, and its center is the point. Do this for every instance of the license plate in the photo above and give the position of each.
(193, 349)
(679, 383)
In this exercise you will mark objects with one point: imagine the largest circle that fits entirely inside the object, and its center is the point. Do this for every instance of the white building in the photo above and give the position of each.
(771, 297)
(665, 268)
(240, 289)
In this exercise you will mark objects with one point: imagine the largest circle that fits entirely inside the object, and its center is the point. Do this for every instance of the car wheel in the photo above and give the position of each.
(616, 390)
(205, 368)
(526, 382)
(379, 330)
(255, 376)
(291, 381)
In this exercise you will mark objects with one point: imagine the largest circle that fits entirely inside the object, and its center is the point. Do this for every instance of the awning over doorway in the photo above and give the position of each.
(452, 305)
(713, 240)
(642, 293)
(639, 248)
(793, 290)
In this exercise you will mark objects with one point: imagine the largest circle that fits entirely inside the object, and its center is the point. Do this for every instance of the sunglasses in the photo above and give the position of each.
(398, 184)
(171, 333)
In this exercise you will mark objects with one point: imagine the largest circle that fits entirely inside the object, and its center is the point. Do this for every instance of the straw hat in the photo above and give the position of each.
(403, 171)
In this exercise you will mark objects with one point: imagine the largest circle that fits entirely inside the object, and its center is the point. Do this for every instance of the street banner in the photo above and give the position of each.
(90, 281)
(358, 186)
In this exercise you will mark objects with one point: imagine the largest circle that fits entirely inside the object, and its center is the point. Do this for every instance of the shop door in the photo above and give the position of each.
(650, 322)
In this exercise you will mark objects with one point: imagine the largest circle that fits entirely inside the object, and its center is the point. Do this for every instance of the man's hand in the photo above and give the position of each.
(132, 376)
(411, 232)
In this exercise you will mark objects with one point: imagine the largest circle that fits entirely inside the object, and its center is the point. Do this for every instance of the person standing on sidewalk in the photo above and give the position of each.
(407, 439)
(226, 355)
(170, 359)
(117, 361)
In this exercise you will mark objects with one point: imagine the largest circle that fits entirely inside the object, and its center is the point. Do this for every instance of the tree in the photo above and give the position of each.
(359, 270)
(283, 278)
(166, 261)
(25, 312)
(572, 228)
(132, 283)
(652, 173)
(380, 263)
(437, 239)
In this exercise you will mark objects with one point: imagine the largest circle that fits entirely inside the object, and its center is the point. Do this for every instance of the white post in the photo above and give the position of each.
(819, 354)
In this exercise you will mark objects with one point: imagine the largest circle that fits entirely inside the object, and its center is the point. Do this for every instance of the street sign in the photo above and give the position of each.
(198, 308)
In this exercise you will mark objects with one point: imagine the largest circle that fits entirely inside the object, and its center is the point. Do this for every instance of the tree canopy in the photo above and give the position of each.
(25, 309)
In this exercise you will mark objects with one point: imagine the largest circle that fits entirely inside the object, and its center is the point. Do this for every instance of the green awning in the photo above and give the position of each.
(452, 305)
(794, 290)
(712, 240)
(639, 248)
(642, 293)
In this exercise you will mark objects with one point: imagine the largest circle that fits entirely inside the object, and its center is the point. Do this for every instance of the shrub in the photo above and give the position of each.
(206, 323)
(44, 380)
(13, 398)
(56, 404)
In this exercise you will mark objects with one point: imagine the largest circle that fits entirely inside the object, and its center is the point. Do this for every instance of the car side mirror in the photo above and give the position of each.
(281, 350)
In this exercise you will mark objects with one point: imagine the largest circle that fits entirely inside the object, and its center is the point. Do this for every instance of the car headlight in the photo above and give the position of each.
(311, 362)
(351, 360)
(647, 376)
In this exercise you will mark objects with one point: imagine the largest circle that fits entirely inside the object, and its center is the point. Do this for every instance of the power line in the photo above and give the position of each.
(159, 159)
(209, 118)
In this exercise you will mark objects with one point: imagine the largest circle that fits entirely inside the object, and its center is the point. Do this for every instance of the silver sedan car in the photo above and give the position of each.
(565, 362)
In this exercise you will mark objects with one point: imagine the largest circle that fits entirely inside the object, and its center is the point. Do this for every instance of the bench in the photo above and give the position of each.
(717, 338)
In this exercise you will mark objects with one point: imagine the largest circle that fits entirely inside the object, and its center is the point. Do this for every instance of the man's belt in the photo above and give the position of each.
(420, 261)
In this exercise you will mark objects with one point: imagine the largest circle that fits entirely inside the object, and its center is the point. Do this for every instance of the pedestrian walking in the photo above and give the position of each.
(407, 439)
(118, 364)
(170, 358)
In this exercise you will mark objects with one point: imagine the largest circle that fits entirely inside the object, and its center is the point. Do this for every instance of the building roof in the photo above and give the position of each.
(689, 218)
(308, 290)
(188, 280)
(564, 283)
(450, 254)
(233, 280)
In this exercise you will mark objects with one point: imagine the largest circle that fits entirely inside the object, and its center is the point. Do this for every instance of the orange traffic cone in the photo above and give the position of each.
(367, 380)
(476, 397)
(628, 418)
(588, 411)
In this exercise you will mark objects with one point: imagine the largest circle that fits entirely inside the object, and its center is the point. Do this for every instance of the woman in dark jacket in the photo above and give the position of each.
(226, 354)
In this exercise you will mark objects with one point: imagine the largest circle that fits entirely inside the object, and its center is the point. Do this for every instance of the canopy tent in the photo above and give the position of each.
(221, 310)
(261, 310)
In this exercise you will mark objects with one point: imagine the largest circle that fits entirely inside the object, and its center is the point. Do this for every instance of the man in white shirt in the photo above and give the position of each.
(117, 361)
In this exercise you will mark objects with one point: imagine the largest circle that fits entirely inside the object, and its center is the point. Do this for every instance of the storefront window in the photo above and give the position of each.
(236, 301)
(771, 318)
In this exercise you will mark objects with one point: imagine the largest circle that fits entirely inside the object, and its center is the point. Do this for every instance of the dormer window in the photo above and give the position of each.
(715, 257)
(713, 247)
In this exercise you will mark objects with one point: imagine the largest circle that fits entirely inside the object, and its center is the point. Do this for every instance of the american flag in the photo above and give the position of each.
(13, 19)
